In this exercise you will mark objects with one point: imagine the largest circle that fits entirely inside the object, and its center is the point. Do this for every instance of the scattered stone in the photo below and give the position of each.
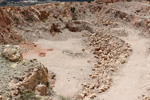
(91, 96)
(123, 61)
(88, 61)
(108, 51)
(16, 92)
(14, 65)
(83, 49)
(81, 96)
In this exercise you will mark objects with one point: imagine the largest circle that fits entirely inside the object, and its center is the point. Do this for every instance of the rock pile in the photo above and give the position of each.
(146, 98)
(21, 75)
(110, 51)
(108, 23)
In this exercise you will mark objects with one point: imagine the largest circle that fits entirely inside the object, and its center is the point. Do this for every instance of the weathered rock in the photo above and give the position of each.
(13, 53)
(27, 75)
(85, 93)
(91, 96)
(54, 29)
(1, 97)
(109, 51)
(15, 92)
(14, 65)
(81, 96)
(41, 89)
(38, 75)
(78, 26)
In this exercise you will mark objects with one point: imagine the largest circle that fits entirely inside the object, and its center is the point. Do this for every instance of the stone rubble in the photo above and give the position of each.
(110, 52)
(21, 75)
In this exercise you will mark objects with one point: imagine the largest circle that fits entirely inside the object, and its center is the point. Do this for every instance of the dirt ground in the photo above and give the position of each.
(70, 59)
(104, 56)
(72, 65)
(132, 79)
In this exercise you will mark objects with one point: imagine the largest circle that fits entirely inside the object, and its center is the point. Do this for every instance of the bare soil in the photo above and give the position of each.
(71, 61)
(103, 55)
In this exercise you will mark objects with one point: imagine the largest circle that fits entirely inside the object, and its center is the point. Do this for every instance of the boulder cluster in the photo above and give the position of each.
(21, 76)
(110, 52)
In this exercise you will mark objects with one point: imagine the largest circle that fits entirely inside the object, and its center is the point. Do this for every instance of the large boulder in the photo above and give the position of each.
(36, 74)
(13, 53)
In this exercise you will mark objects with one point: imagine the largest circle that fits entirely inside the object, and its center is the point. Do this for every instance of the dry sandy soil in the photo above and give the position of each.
(71, 65)
(132, 80)
(67, 60)
(103, 56)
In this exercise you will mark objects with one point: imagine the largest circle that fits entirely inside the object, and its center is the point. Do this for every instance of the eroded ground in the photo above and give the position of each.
(97, 51)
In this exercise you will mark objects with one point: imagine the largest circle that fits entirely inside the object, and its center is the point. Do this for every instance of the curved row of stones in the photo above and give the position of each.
(110, 52)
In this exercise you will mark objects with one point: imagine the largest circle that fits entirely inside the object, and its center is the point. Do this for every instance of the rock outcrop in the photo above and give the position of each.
(6, 34)
(21, 75)
(13, 53)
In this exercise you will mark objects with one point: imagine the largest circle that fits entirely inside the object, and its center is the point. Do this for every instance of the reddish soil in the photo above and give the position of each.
(42, 54)
(31, 48)
(6, 35)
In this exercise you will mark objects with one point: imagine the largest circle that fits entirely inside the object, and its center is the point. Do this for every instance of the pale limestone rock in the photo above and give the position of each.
(1, 97)
(12, 52)
(93, 95)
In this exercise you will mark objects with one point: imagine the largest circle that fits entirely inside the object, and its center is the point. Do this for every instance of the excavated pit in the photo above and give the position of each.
(91, 48)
